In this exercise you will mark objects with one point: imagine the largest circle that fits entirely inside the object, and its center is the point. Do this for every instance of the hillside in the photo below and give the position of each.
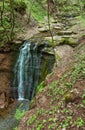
(60, 101)
(54, 35)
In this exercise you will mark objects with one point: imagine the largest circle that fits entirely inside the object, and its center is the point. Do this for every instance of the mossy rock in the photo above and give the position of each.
(51, 43)
(68, 98)
(69, 41)
(65, 33)
(42, 42)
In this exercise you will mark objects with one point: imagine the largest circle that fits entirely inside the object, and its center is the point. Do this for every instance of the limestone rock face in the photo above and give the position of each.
(64, 53)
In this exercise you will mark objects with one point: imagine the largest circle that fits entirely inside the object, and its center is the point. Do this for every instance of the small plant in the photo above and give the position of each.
(66, 122)
(15, 128)
(65, 110)
(83, 101)
(51, 126)
(83, 96)
(19, 113)
(32, 119)
(51, 119)
(44, 121)
(39, 126)
(79, 122)
(40, 87)
(83, 72)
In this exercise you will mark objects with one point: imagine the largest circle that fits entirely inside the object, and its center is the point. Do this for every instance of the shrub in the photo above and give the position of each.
(20, 7)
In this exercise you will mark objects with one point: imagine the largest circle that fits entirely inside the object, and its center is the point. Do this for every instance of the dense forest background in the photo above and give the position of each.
(16, 14)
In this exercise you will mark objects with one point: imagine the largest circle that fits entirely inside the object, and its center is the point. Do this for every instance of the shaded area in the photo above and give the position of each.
(31, 68)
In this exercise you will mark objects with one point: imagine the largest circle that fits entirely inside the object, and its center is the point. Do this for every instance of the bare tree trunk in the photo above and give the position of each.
(29, 17)
(48, 15)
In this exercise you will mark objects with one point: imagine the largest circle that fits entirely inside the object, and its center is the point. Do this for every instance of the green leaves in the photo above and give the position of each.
(19, 114)
(79, 122)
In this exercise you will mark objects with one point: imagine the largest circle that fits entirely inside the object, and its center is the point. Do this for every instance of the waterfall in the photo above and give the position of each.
(26, 71)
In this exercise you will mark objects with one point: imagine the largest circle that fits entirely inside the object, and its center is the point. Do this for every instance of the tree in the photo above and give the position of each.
(7, 19)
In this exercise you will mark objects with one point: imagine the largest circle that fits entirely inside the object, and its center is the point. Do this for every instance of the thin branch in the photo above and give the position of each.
(48, 15)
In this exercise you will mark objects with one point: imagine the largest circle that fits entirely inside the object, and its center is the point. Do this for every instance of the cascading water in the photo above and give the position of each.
(32, 66)
(27, 70)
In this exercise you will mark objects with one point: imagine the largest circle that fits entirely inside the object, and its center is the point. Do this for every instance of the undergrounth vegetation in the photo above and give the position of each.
(64, 103)
(16, 17)
(59, 100)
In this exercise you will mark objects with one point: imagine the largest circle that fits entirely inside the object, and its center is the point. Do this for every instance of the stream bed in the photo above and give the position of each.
(9, 122)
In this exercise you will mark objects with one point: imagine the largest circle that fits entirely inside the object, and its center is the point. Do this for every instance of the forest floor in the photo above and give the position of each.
(60, 103)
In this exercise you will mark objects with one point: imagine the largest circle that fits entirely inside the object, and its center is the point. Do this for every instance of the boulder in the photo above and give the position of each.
(63, 54)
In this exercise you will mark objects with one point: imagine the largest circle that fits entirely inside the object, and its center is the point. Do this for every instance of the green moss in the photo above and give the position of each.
(68, 41)
(68, 98)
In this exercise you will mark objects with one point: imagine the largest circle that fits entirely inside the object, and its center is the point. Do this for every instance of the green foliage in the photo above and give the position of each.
(34, 117)
(51, 126)
(7, 19)
(19, 113)
(83, 97)
(79, 122)
(20, 6)
(8, 22)
(37, 10)
(51, 119)
(39, 126)
(82, 19)
(15, 128)
(40, 87)
(66, 122)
